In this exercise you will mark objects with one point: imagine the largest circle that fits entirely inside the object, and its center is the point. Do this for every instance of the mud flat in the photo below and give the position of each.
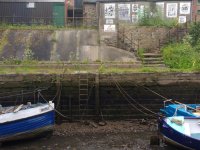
(88, 135)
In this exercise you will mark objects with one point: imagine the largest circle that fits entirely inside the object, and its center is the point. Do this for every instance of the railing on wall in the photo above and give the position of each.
(175, 34)
(126, 41)
(54, 21)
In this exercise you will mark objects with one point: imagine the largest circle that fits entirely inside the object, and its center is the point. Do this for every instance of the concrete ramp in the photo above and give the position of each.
(105, 53)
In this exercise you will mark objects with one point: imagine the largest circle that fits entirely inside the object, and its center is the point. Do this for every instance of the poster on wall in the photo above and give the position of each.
(109, 10)
(134, 18)
(135, 11)
(185, 8)
(124, 11)
(135, 8)
(171, 10)
(109, 28)
(182, 19)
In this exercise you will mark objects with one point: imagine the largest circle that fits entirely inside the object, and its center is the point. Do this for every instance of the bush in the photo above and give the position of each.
(195, 35)
(181, 56)
(155, 19)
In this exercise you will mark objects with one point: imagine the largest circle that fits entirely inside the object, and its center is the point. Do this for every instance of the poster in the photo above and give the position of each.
(109, 28)
(171, 10)
(124, 11)
(185, 8)
(134, 18)
(109, 10)
(135, 11)
(135, 8)
(182, 19)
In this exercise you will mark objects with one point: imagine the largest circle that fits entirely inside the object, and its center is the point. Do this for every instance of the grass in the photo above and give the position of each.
(181, 56)
(39, 27)
(59, 69)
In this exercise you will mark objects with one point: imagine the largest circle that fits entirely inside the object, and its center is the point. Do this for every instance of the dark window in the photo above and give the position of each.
(198, 1)
(198, 12)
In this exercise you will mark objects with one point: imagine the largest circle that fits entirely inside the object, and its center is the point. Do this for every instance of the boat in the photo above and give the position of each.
(26, 121)
(181, 131)
(180, 109)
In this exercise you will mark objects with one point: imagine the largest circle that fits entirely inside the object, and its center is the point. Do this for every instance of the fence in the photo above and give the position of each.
(54, 21)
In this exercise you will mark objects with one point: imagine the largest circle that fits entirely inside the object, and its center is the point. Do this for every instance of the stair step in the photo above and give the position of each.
(153, 59)
(151, 55)
(154, 62)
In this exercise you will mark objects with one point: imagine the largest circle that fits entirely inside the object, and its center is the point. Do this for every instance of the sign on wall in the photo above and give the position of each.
(185, 8)
(109, 10)
(171, 10)
(109, 28)
(135, 9)
(182, 19)
(30, 5)
(124, 11)
(109, 21)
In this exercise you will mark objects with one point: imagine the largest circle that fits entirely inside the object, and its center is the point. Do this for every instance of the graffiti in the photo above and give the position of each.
(109, 10)
(171, 10)
(182, 19)
(109, 28)
(185, 8)
(124, 11)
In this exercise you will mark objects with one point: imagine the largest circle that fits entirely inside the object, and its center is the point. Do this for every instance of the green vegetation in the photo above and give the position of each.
(39, 27)
(155, 19)
(186, 54)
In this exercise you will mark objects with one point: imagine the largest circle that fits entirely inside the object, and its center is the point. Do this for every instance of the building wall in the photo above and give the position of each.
(112, 17)
(90, 14)
(196, 10)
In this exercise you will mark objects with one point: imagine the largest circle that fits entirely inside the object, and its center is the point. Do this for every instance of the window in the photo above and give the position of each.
(198, 2)
(198, 12)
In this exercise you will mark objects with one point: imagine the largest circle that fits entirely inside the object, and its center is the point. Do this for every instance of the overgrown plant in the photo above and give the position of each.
(148, 18)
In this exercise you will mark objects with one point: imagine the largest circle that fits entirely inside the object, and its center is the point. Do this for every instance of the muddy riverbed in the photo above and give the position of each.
(88, 135)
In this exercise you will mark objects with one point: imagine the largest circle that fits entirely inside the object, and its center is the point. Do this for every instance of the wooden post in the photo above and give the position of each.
(70, 108)
(97, 95)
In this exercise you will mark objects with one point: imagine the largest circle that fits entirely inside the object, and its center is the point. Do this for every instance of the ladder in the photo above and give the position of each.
(83, 93)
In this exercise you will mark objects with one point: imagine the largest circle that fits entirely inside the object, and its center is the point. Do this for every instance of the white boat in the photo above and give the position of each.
(26, 121)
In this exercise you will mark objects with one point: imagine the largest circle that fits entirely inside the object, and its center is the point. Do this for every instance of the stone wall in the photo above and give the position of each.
(90, 14)
(145, 37)
(182, 87)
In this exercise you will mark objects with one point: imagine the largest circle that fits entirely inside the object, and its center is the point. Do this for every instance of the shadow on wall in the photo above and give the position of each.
(62, 45)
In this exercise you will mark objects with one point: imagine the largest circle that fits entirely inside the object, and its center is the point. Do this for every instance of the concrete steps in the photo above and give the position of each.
(153, 60)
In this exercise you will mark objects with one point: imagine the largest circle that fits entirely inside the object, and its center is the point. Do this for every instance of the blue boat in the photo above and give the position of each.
(179, 109)
(26, 121)
(181, 131)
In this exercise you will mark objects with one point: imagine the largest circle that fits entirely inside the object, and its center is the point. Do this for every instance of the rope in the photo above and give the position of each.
(120, 89)
(52, 107)
(22, 93)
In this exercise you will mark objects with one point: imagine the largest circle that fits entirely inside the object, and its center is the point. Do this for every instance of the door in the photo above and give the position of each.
(58, 14)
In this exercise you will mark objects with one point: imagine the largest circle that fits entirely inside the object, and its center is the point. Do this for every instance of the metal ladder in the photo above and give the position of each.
(83, 93)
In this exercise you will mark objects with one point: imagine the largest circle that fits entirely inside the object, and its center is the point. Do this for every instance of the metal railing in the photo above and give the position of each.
(54, 21)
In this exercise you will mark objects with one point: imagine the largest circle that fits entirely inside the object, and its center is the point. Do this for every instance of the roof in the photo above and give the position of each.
(32, 1)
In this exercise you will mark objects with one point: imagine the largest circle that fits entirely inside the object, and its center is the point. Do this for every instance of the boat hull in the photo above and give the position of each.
(176, 138)
(27, 127)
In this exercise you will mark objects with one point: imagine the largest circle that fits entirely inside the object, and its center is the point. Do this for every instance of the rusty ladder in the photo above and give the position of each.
(83, 93)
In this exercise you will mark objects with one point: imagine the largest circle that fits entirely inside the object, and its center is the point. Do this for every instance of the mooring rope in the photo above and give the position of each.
(120, 89)
(53, 108)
